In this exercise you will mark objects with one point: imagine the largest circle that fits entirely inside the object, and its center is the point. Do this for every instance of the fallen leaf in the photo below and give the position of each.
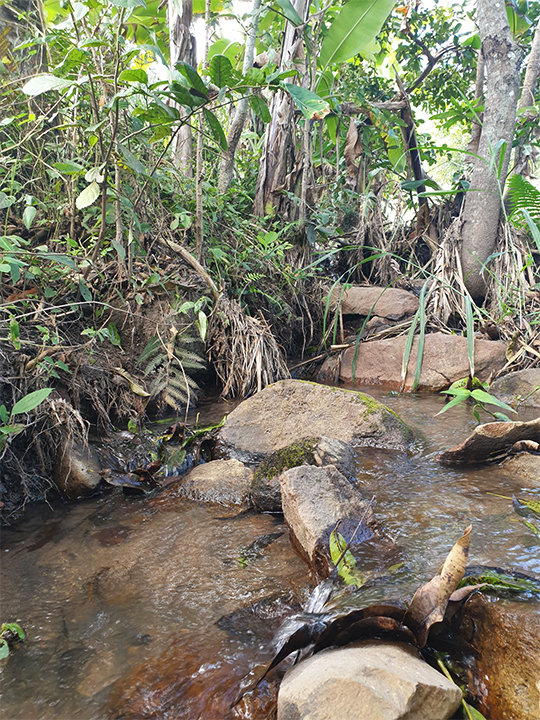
(134, 385)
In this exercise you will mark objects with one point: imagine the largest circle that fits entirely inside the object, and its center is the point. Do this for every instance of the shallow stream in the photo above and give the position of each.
(155, 607)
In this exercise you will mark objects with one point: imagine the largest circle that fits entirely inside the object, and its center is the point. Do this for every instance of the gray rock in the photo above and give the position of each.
(445, 360)
(227, 482)
(265, 489)
(390, 303)
(77, 471)
(367, 680)
(521, 387)
(290, 410)
(314, 500)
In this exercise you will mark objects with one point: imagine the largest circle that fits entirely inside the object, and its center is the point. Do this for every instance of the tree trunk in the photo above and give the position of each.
(483, 201)
(522, 160)
(181, 48)
(277, 158)
(227, 161)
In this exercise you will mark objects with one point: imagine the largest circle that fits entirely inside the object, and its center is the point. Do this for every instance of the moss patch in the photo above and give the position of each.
(300, 453)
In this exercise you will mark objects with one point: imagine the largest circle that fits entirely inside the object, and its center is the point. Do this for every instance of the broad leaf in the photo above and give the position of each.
(353, 29)
(31, 401)
(344, 561)
(28, 216)
(88, 196)
(128, 3)
(134, 75)
(484, 397)
(193, 77)
(290, 13)
(131, 161)
(45, 83)
(221, 71)
(260, 108)
(311, 105)
(215, 128)
(68, 168)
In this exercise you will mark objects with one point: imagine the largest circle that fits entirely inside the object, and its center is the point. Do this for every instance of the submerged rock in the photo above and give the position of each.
(519, 388)
(505, 677)
(290, 410)
(78, 470)
(314, 500)
(491, 441)
(368, 679)
(523, 468)
(445, 360)
(265, 489)
(227, 482)
(390, 303)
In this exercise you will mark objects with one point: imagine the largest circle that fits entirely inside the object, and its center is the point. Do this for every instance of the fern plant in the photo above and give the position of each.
(523, 196)
(171, 361)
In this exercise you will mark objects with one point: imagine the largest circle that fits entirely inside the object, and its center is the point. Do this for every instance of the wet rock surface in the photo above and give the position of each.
(523, 467)
(314, 500)
(265, 489)
(445, 360)
(77, 472)
(227, 482)
(519, 388)
(490, 441)
(505, 678)
(289, 410)
(386, 681)
(390, 303)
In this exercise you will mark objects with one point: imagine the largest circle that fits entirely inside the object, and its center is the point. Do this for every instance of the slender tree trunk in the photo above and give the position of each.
(476, 130)
(521, 160)
(278, 153)
(181, 48)
(227, 161)
(483, 201)
(199, 171)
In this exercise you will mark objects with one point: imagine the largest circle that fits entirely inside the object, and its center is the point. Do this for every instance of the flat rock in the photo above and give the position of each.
(291, 410)
(77, 472)
(506, 636)
(265, 489)
(389, 303)
(445, 360)
(227, 482)
(519, 388)
(368, 679)
(524, 468)
(314, 500)
(489, 441)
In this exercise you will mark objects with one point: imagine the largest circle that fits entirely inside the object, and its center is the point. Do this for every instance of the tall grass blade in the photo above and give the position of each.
(469, 320)
(408, 348)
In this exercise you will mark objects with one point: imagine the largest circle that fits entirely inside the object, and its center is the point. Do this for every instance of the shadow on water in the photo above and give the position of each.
(156, 607)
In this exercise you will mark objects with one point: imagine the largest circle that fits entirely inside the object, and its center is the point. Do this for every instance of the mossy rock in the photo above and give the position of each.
(265, 489)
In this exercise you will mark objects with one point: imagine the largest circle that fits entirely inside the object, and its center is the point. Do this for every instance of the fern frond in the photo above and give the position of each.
(150, 349)
(523, 196)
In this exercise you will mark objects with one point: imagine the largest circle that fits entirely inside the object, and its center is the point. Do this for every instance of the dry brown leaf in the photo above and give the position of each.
(453, 570)
(353, 148)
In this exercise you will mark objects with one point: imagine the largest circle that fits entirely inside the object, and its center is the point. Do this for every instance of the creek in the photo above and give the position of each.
(155, 607)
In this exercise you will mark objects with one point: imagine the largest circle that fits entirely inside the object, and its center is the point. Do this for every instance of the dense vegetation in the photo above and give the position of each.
(163, 210)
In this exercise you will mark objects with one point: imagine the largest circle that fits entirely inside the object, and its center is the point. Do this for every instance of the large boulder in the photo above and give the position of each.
(445, 360)
(505, 681)
(227, 482)
(77, 471)
(490, 441)
(390, 303)
(265, 489)
(368, 679)
(291, 410)
(315, 500)
(519, 388)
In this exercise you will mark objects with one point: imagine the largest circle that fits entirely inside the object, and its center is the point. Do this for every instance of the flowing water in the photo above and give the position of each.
(156, 607)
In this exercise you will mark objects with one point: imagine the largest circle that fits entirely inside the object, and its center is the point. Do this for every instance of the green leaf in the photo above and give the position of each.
(526, 508)
(14, 332)
(128, 3)
(483, 397)
(221, 71)
(4, 649)
(289, 12)
(193, 78)
(31, 401)
(134, 75)
(85, 290)
(88, 196)
(202, 324)
(68, 168)
(260, 108)
(6, 201)
(470, 333)
(309, 103)
(45, 83)
(15, 628)
(131, 161)
(28, 216)
(455, 401)
(346, 568)
(215, 128)
(358, 23)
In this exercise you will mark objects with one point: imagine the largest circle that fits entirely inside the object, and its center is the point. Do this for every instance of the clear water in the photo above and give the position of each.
(140, 608)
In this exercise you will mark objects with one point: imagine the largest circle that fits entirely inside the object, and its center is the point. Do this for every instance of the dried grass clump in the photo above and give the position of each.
(243, 350)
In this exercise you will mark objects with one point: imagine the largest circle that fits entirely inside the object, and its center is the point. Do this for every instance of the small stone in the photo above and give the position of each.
(367, 680)
(77, 471)
(227, 482)
(518, 388)
(389, 303)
